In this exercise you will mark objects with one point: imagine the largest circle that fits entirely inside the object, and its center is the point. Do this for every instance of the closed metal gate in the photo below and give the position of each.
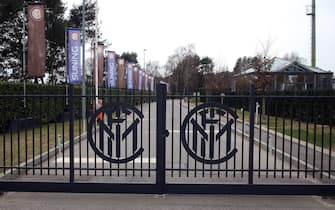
(157, 143)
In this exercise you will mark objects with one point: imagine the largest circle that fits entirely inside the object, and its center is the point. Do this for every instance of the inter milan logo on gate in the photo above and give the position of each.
(118, 131)
(206, 125)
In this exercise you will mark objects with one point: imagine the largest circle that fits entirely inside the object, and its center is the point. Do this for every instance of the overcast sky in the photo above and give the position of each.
(221, 29)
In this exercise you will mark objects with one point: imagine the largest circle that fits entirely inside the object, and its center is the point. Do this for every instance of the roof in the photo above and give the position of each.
(282, 65)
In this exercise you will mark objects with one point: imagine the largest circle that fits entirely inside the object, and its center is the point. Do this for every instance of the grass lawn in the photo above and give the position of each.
(13, 148)
(316, 132)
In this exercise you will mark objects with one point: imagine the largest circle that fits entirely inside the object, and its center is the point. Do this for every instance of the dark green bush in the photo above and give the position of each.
(49, 103)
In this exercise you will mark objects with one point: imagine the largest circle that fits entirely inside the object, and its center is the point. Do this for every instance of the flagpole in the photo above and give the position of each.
(24, 41)
(96, 55)
(83, 90)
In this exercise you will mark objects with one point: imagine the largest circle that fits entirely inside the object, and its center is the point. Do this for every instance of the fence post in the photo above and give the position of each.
(71, 109)
(251, 134)
(160, 138)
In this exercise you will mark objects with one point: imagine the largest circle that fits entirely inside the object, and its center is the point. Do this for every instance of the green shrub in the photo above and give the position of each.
(49, 103)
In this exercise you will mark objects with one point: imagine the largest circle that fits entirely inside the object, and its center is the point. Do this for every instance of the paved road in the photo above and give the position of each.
(50, 201)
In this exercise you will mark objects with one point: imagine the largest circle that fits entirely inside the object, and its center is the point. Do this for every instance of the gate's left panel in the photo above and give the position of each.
(115, 144)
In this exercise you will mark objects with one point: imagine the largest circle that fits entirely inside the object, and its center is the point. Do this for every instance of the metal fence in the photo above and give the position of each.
(145, 142)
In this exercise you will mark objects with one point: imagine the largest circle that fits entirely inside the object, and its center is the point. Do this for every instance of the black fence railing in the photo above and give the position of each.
(157, 143)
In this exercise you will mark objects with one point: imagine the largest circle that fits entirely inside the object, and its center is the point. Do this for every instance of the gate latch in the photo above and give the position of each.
(166, 133)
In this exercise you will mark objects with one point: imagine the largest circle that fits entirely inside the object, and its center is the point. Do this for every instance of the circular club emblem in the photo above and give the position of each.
(203, 131)
(75, 36)
(36, 13)
(118, 129)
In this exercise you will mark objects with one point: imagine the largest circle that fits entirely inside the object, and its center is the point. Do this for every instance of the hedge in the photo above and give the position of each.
(45, 102)
(311, 109)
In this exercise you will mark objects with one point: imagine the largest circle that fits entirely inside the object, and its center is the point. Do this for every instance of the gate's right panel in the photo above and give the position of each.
(209, 140)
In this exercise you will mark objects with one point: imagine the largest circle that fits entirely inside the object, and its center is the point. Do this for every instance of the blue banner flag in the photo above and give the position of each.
(130, 76)
(111, 70)
(73, 55)
(152, 83)
(140, 75)
(146, 85)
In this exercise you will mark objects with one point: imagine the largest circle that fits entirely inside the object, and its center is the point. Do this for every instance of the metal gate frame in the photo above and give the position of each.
(161, 187)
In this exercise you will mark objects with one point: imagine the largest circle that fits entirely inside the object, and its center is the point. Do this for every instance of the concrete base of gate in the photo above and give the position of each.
(45, 201)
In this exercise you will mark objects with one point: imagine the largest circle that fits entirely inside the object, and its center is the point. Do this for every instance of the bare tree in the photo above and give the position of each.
(294, 57)
(153, 67)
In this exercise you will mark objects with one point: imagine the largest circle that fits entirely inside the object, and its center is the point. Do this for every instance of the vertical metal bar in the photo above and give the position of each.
(95, 142)
(11, 144)
(314, 137)
(33, 134)
(322, 137)
(276, 128)
(172, 139)
(80, 124)
(25, 141)
(196, 119)
(251, 134)
(101, 137)
(260, 137)
(203, 148)
(242, 154)
(267, 137)
(228, 140)
(306, 140)
(141, 159)
(149, 147)
(48, 131)
(116, 146)
(291, 137)
(71, 134)
(41, 143)
(4, 137)
(219, 149)
(235, 135)
(56, 136)
(188, 138)
(18, 150)
(110, 145)
(283, 140)
(87, 145)
(299, 141)
(65, 102)
(180, 123)
(126, 144)
(135, 134)
(330, 117)
(161, 129)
